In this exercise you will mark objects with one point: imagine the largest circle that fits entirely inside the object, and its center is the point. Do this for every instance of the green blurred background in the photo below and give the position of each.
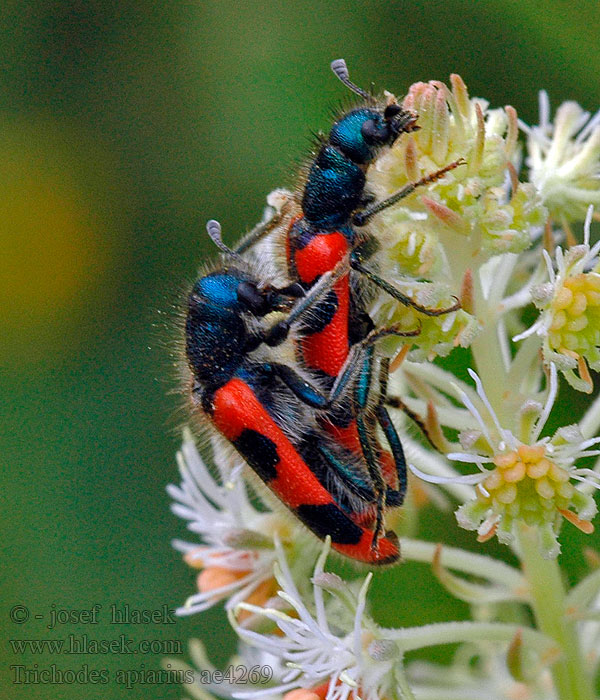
(123, 127)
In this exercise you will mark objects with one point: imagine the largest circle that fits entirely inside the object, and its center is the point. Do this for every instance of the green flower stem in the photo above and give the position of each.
(571, 679)
(488, 357)
(491, 371)
(523, 363)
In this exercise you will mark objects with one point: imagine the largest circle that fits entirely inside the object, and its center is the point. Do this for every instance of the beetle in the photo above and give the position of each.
(266, 406)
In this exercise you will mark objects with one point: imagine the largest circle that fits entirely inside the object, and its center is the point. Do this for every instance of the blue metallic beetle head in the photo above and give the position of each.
(219, 331)
(215, 331)
(360, 133)
(234, 291)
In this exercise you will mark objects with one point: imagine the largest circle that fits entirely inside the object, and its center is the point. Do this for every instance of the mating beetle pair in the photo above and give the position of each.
(307, 427)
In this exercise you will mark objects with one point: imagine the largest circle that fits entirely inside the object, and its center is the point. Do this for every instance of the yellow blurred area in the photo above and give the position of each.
(54, 246)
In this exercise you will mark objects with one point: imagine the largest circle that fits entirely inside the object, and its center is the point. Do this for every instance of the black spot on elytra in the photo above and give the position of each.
(321, 314)
(360, 325)
(260, 452)
(330, 520)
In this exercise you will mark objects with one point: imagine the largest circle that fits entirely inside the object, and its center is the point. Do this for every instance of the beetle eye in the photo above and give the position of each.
(391, 111)
(255, 301)
(374, 133)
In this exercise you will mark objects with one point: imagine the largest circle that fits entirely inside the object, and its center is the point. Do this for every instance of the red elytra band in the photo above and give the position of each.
(328, 349)
(236, 408)
(387, 552)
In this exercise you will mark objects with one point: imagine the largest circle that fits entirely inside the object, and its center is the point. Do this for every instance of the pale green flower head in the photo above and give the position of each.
(438, 335)
(569, 322)
(524, 478)
(450, 227)
(564, 159)
(473, 199)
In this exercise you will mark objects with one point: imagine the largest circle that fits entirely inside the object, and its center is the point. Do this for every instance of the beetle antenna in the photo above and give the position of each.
(340, 69)
(213, 228)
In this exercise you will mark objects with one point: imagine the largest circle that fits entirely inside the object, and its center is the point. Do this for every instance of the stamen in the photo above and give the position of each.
(469, 479)
(461, 94)
(549, 266)
(570, 238)
(475, 161)
(475, 413)
(588, 443)
(584, 373)
(467, 294)
(485, 536)
(434, 429)
(530, 331)
(592, 557)
(512, 134)
(515, 658)
(560, 259)
(483, 396)
(544, 109)
(514, 179)
(360, 610)
(587, 224)
(585, 480)
(447, 216)
(301, 694)
(584, 525)
(588, 128)
(552, 393)
(399, 358)
(470, 458)
(548, 240)
(411, 160)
